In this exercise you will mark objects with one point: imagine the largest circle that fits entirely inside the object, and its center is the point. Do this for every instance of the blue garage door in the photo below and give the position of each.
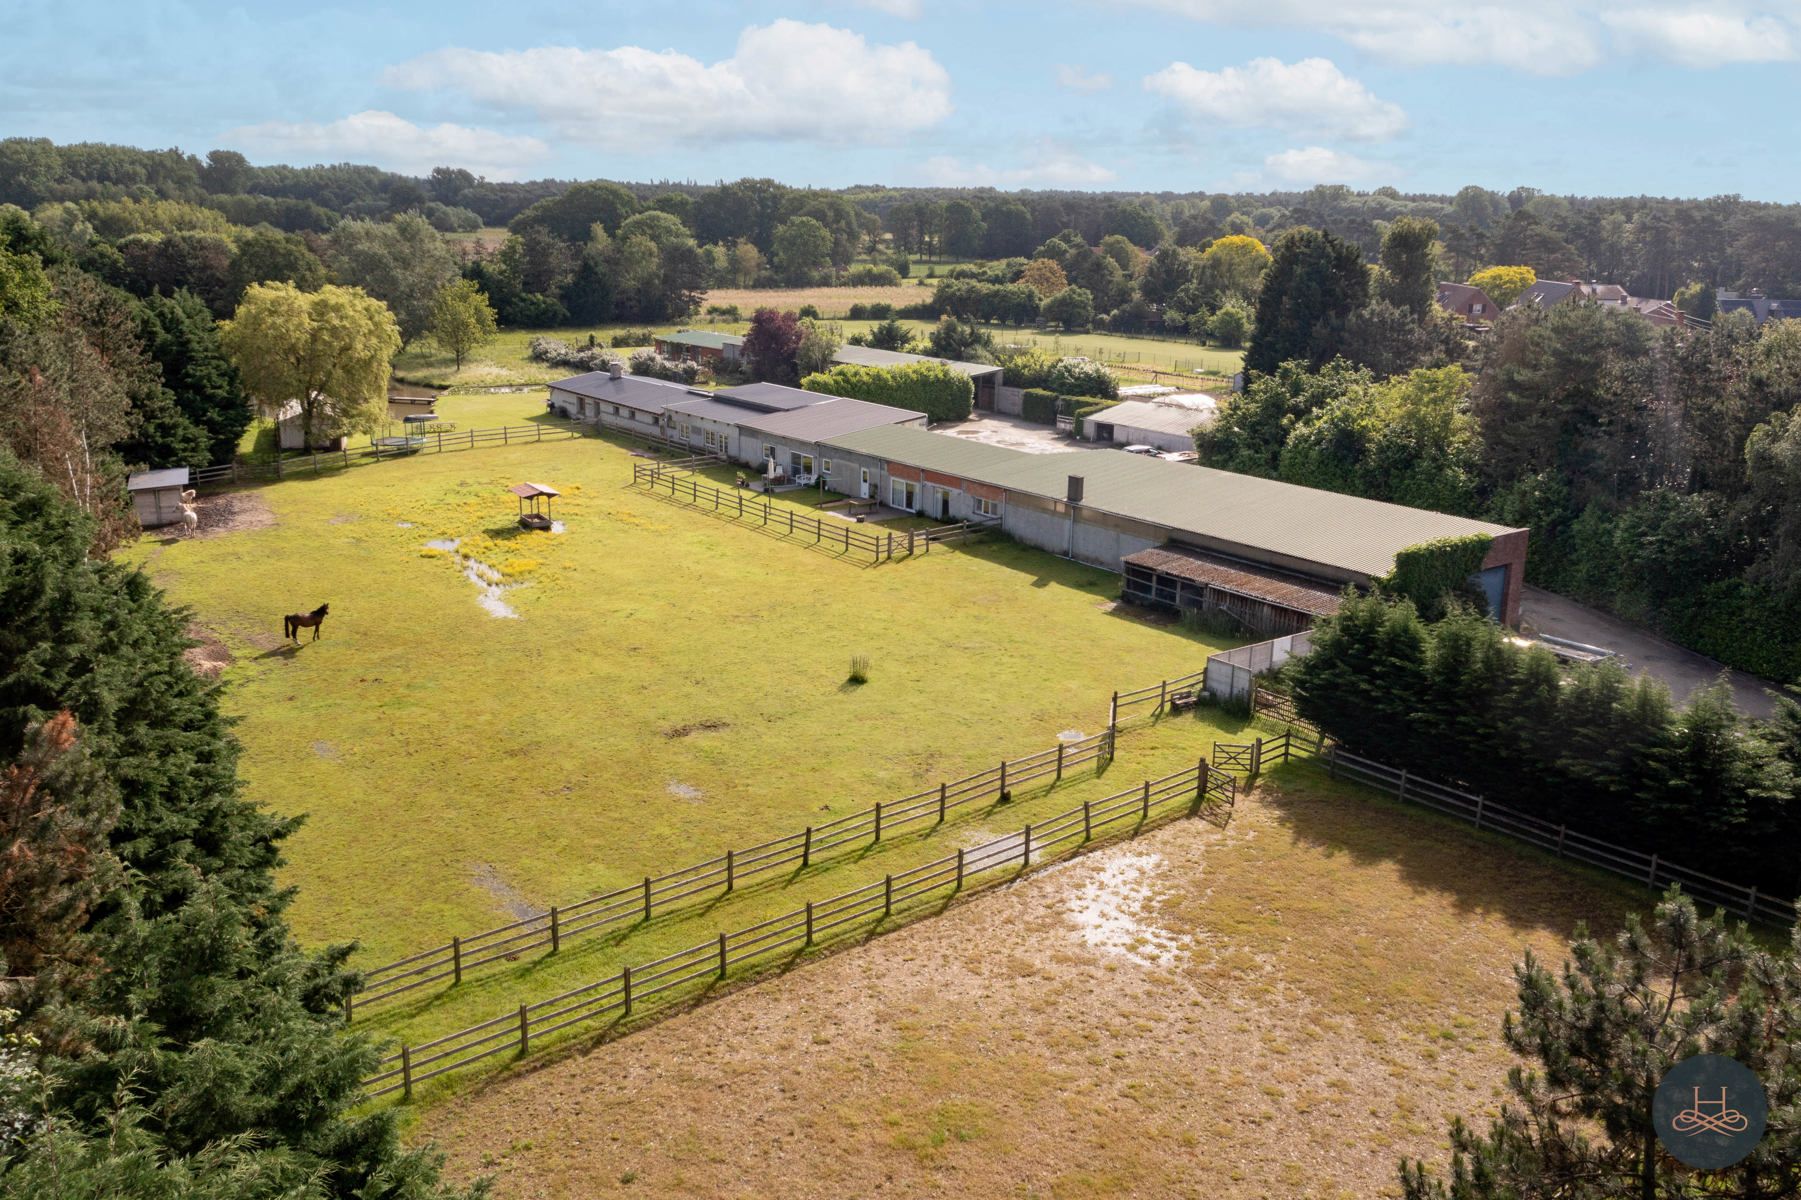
(1492, 583)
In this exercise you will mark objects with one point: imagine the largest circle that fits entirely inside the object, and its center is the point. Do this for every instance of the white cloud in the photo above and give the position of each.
(1546, 37)
(1696, 38)
(1308, 165)
(787, 80)
(1310, 96)
(390, 141)
(1052, 167)
(1078, 80)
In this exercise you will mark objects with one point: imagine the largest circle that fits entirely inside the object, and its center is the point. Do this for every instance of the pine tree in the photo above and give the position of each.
(180, 334)
(1601, 1034)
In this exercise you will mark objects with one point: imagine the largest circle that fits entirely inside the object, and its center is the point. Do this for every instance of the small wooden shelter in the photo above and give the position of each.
(156, 495)
(531, 516)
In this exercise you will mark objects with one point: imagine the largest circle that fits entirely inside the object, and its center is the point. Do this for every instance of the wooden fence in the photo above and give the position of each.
(233, 473)
(1652, 870)
(682, 485)
(448, 964)
(1158, 695)
(1187, 792)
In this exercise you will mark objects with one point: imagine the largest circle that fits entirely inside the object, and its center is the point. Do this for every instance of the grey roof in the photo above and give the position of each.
(769, 397)
(869, 356)
(1160, 418)
(632, 391)
(833, 416)
(710, 408)
(1547, 292)
(702, 337)
(916, 447)
(1347, 533)
(150, 481)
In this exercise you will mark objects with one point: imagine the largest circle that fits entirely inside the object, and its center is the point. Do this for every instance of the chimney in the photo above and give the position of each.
(616, 369)
(1075, 489)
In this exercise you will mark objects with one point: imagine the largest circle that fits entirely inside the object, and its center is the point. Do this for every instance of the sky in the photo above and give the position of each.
(1598, 97)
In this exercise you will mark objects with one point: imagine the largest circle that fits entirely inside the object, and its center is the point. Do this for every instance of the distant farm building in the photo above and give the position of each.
(1470, 303)
(615, 400)
(1165, 425)
(699, 345)
(290, 431)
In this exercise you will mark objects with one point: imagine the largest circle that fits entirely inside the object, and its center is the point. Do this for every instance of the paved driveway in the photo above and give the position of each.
(1683, 670)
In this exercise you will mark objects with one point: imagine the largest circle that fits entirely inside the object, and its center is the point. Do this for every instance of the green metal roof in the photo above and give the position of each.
(702, 337)
(1348, 533)
(916, 447)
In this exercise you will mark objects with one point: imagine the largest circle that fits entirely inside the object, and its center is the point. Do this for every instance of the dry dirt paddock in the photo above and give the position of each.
(1281, 1008)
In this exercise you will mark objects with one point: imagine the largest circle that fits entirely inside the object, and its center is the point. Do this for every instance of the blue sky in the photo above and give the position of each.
(1584, 96)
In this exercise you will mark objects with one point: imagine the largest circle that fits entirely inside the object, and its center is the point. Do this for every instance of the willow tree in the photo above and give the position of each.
(328, 351)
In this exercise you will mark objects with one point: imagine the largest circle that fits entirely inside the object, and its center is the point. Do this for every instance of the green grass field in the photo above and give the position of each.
(673, 683)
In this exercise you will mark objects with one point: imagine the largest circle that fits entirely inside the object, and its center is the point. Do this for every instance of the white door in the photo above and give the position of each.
(865, 483)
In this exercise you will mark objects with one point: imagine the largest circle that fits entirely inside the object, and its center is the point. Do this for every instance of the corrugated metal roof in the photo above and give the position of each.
(769, 397)
(1347, 532)
(633, 391)
(150, 481)
(915, 447)
(710, 409)
(832, 416)
(869, 356)
(1245, 579)
(1160, 418)
(702, 337)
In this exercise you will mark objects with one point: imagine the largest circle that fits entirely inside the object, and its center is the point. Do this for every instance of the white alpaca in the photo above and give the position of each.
(190, 520)
(188, 496)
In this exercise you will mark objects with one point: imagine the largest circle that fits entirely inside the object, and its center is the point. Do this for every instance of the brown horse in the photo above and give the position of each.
(293, 623)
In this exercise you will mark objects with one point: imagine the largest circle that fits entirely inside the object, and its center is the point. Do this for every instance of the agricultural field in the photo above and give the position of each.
(1285, 1006)
(496, 720)
(830, 301)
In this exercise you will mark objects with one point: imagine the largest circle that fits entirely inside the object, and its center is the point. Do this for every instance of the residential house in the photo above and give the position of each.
(615, 400)
(1470, 303)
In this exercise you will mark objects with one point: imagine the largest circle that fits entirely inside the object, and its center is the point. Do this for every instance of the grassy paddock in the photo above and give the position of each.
(674, 683)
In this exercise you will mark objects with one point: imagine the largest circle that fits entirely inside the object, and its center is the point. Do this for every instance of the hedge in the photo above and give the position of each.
(931, 388)
(1080, 409)
(1039, 406)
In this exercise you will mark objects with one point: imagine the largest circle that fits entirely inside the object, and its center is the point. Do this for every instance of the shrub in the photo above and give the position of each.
(1082, 377)
(633, 337)
(1230, 325)
(725, 312)
(1039, 406)
(809, 312)
(878, 311)
(558, 353)
(1081, 411)
(1072, 308)
(649, 362)
(868, 275)
(931, 388)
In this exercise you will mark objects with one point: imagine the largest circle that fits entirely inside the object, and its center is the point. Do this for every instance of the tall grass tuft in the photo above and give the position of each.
(859, 668)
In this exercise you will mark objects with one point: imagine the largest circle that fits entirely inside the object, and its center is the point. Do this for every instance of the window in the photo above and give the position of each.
(825, 466)
(903, 495)
(1476, 309)
(768, 452)
(987, 508)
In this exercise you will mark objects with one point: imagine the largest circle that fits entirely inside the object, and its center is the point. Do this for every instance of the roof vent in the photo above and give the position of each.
(1075, 489)
(616, 369)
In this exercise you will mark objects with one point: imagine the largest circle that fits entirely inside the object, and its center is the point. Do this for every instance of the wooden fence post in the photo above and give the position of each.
(1200, 782)
(1402, 794)
(1479, 803)
(1002, 791)
(348, 1001)
(722, 954)
(525, 1034)
(556, 931)
(1651, 875)
(625, 977)
(942, 789)
(1113, 714)
(890, 547)
(878, 820)
(809, 923)
(406, 1072)
(1751, 905)
(1257, 758)
(1332, 768)
(887, 895)
(1561, 830)
(1059, 760)
(456, 960)
(1146, 814)
(731, 871)
(1162, 693)
(959, 869)
(647, 897)
(1025, 849)
(806, 849)
(1087, 823)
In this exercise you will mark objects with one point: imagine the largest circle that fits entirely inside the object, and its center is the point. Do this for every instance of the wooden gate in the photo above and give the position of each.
(1228, 756)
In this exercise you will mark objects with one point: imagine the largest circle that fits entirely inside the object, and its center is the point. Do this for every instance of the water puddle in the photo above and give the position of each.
(1112, 910)
(557, 527)
(491, 586)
